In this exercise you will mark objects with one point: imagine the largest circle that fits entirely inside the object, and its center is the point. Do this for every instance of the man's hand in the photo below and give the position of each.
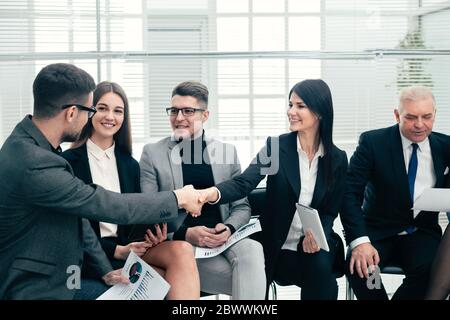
(161, 235)
(309, 243)
(139, 248)
(363, 256)
(221, 235)
(197, 235)
(210, 194)
(115, 277)
(190, 199)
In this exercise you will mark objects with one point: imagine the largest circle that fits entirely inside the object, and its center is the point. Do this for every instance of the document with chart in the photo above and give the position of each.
(145, 282)
(243, 232)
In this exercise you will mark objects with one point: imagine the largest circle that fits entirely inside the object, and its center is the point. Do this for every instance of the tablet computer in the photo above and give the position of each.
(310, 220)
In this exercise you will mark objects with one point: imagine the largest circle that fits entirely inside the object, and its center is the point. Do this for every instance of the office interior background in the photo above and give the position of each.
(248, 52)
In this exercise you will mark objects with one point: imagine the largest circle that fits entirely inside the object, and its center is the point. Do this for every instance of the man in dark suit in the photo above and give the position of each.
(42, 235)
(390, 168)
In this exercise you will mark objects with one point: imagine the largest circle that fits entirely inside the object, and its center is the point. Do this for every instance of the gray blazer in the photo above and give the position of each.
(41, 206)
(161, 170)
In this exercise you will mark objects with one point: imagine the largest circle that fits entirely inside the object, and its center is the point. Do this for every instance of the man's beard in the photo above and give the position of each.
(70, 136)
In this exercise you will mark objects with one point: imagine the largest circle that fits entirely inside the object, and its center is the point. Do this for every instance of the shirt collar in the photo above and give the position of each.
(98, 152)
(58, 150)
(320, 152)
(423, 145)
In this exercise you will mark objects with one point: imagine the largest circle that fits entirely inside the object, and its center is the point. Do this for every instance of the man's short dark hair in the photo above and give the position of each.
(193, 89)
(57, 85)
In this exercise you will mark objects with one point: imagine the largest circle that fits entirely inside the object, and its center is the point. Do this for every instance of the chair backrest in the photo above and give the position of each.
(392, 269)
(339, 259)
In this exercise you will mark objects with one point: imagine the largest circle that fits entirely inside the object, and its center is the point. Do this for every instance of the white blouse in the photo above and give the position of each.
(308, 176)
(104, 173)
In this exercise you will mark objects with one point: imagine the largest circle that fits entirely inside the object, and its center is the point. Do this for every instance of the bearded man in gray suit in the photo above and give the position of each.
(42, 234)
(190, 157)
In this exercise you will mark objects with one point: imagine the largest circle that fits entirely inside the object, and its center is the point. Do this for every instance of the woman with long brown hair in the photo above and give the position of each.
(103, 155)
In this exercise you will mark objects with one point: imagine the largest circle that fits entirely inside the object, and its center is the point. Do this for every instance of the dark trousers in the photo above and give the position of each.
(414, 253)
(91, 286)
(90, 289)
(313, 273)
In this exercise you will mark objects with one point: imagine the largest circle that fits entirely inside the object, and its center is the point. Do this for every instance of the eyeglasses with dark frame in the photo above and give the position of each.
(90, 110)
(187, 112)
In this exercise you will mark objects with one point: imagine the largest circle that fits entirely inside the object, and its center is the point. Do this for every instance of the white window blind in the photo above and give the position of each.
(249, 53)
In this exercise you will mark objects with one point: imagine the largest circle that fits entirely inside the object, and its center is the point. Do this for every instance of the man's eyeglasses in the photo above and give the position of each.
(91, 110)
(187, 112)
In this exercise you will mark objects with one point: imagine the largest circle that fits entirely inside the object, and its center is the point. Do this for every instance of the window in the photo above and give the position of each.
(260, 85)
(248, 52)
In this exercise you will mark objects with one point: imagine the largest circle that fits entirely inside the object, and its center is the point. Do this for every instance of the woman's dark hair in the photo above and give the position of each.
(122, 137)
(316, 94)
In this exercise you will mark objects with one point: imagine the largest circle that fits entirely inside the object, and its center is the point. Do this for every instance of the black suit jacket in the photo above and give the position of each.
(377, 202)
(129, 177)
(283, 190)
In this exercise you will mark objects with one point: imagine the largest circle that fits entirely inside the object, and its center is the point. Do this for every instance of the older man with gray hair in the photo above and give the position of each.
(389, 170)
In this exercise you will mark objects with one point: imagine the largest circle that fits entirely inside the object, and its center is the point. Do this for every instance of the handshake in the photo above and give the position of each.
(193, 200)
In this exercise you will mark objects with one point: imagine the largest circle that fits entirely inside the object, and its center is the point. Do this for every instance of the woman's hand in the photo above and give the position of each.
(160, 236)
(309, 243)
(139, 248)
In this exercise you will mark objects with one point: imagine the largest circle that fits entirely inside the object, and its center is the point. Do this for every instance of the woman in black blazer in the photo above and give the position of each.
(302, 166)
(106, 134)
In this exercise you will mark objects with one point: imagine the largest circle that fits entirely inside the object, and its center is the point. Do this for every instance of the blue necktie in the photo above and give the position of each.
(412, 170)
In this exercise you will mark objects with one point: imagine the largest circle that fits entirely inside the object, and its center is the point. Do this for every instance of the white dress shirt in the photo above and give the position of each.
(425, 177)
(308, 176)
(104, 173)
